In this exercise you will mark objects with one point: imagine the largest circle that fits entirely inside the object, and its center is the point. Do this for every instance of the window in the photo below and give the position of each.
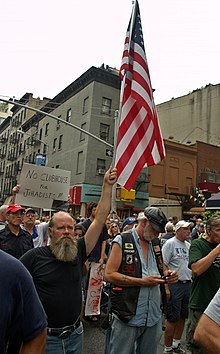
(106, 105)
(57, 166)
(104, 131)
(60, 142)
(79, 165)
(58, 123)
(45, 149)
(101, 166)
(22, 114)
(40, 133)
(46, 129)
(82, 135)
(54, 143)
(85, 105)
(68, 115)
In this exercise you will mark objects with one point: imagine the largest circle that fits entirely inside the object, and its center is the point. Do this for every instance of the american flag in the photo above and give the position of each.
(139, 141)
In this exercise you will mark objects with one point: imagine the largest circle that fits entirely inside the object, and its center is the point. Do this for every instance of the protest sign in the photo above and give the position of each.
(93, 298)
(40, 186)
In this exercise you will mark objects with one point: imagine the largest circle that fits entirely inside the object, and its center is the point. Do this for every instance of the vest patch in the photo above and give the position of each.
(129, 259)
(129, 268)
(129, 246)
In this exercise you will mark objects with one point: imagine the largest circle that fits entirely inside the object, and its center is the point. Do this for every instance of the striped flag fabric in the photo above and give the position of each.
(139, 143)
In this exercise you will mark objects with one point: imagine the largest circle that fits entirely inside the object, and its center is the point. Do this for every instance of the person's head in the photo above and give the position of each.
(92, 209)
(29, 218)
(174, 220)
(151, 223)
(108, 222)
(61, 231)
(213, 229)
(113, 230)
(14, 215)
(201, 227)
(3, 212)
(79, 231)
(47, 218)
(129, 223)
(169, 228)
(198, 221)
(182, 230)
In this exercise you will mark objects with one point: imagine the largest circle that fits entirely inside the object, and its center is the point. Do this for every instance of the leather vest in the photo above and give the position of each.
(124, 299)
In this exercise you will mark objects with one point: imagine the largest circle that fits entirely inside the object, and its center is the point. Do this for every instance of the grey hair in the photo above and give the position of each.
(3, 208)
(212, 222)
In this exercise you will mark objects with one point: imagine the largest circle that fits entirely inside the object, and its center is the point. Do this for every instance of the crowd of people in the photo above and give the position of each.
(154, 268)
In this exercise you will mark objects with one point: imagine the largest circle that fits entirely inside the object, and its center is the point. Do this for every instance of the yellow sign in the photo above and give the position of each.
(123, 194)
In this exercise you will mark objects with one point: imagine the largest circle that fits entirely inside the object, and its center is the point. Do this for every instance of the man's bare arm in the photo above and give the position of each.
(103, 255)
(207, 335)
(36, 345)
(102, 210)
(205, 263)
(113, 276)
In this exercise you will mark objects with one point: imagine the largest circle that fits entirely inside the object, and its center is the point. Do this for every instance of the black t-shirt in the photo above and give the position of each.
(95, 254)
(58, 283)
(14, 245)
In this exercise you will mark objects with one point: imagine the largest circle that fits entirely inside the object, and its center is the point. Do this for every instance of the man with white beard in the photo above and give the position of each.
(57, 273)
(135, 293)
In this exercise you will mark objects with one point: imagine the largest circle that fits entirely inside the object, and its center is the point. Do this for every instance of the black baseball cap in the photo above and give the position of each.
(156, 218)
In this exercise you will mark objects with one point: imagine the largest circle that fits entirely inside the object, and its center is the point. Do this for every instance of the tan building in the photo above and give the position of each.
(193, 117)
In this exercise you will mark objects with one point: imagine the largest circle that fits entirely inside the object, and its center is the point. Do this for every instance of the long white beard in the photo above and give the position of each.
(64, 248)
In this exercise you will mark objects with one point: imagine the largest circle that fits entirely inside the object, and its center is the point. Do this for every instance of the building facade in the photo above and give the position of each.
(192, 117)
(91, 103)
(14, 148)
(172, 181)
(189, 125)
(187, 176)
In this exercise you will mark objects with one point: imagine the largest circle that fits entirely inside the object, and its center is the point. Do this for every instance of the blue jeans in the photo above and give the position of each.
(129, 340)
(73, 344)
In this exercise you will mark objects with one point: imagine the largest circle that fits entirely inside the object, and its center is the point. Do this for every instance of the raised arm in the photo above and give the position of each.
(102, 210)
(205, 263)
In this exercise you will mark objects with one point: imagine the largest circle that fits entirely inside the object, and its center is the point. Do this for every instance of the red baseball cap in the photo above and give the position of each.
(13, 208)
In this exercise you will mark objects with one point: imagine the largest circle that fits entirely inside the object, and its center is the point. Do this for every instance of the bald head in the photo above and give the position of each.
(60, 216)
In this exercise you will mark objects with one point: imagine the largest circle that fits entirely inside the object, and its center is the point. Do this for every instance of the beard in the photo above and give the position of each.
(64, 248)
(149, 236)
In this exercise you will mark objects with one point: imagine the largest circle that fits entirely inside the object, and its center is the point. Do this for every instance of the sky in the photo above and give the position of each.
(46, 44)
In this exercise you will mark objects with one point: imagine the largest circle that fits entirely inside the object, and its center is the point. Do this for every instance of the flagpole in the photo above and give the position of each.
(117, 116)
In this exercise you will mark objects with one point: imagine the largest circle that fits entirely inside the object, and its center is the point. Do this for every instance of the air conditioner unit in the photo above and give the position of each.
(101, 171)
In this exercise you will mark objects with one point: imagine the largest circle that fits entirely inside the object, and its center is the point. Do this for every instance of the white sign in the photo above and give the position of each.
(41, 185)
(94, 292)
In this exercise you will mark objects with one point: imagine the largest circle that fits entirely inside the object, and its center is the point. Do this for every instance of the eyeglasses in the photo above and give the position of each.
(114, 226)
(30, 215)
